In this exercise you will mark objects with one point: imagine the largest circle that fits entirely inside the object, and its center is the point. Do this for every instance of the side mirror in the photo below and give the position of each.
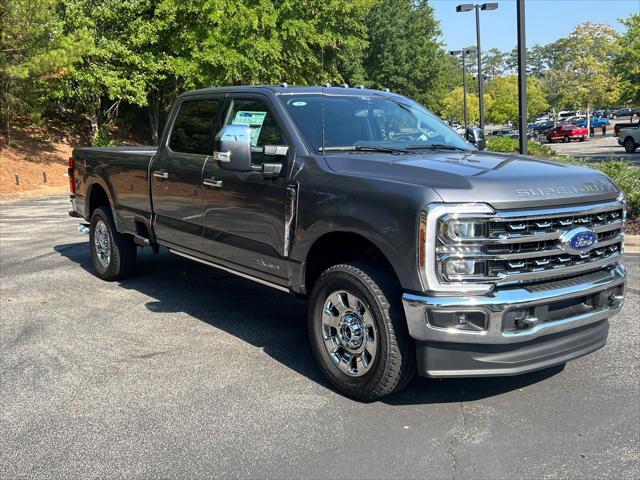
(234, 148)
(476, 136)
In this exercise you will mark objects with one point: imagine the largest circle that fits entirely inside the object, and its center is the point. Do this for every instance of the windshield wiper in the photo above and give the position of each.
(435, 146)
(361, 148)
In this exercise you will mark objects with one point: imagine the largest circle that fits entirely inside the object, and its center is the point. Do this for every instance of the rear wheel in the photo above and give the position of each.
(358, 331)
(113, 254)
(566, 139)
(630, 145)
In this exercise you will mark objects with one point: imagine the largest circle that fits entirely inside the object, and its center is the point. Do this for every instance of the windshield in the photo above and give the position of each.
(351, 122)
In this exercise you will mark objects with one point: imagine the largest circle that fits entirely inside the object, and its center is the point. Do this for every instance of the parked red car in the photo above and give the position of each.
(567, 132)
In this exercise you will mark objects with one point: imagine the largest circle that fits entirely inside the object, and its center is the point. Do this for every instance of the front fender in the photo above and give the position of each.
(400, 255)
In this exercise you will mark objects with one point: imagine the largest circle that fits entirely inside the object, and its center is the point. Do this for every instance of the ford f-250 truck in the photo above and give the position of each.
(417, 251)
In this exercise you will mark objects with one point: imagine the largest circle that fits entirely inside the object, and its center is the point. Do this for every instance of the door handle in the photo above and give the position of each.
(161, 174)
(212, 182)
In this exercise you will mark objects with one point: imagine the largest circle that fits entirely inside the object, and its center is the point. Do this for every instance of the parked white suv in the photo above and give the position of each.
(629, 138)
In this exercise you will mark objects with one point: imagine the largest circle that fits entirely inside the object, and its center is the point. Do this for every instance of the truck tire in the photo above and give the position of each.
(113, 254)
(630, 145)
(358, 331)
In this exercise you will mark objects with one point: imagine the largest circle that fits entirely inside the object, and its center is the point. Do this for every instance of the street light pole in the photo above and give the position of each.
(480, 82)
(522, 77)
(467, 7)
(463, 54)
(464, 88)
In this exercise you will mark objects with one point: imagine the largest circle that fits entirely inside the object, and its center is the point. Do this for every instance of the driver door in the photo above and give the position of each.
(244, 212)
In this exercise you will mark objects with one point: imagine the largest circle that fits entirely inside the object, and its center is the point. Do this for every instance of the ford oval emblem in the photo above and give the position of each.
(578, 240)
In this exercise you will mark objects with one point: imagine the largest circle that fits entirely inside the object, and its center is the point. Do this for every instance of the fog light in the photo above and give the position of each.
(615, 300)
(470, 321)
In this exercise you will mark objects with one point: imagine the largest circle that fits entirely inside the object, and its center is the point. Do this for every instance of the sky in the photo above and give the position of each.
(546, 20)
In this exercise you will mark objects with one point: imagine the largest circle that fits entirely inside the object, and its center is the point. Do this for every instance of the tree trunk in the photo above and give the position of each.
(95, 127)
(154, 116)
(7, 111)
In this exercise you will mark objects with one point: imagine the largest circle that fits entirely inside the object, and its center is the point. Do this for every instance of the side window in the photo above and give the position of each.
(264, 129)
(192, 129)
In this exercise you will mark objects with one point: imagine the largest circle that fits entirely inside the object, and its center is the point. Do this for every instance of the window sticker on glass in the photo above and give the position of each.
(254, 120)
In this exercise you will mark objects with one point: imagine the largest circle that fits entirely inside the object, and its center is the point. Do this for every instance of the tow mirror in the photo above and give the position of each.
(476, 136)
(234, 148)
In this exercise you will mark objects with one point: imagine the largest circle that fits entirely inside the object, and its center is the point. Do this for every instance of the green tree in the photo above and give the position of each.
(126, 59)
(493, 63)
(503, 106)
(33, 46)
(559, 86)
(586, 59)
(449, 77)
(453, 106)
(404, 52)
(627, 60)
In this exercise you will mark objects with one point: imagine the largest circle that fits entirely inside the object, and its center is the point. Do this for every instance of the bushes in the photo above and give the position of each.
(627, 178)
(511, 145)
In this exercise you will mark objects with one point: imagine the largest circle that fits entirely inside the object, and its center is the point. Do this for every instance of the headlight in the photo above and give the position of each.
(458, 269)
(457, 229)
(448, 233)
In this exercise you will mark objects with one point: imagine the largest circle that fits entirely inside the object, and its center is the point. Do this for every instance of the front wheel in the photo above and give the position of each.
(358, 331)
(113, 254)
(566, 140)
(629, 145)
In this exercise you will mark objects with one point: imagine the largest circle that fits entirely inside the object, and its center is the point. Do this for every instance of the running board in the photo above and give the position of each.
(142, 241)
(229, 270)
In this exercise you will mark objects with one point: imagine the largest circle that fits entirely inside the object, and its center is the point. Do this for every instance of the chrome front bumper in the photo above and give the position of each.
(474, 347)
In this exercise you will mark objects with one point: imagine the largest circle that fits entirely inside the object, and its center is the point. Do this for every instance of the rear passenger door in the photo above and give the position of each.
(176, 173)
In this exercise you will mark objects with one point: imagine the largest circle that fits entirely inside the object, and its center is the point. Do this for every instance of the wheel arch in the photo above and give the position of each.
(98, 194)
(341, 246)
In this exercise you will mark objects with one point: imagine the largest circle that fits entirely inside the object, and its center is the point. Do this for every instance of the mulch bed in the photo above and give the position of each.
(632, 226)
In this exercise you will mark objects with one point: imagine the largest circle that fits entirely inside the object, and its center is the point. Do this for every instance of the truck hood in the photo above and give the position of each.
(505, 181)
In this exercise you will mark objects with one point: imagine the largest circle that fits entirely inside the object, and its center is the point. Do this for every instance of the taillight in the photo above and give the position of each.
(72, 180)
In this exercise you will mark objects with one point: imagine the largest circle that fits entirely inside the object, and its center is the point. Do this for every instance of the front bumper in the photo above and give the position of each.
(565, 330)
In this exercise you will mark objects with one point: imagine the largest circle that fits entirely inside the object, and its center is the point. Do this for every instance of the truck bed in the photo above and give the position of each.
(123, 172)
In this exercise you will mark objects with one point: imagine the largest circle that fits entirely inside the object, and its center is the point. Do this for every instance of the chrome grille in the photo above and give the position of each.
(525, 246)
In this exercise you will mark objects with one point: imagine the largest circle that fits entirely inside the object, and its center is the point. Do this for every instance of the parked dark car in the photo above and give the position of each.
(622, 112)
(544, 127)
(417, 251)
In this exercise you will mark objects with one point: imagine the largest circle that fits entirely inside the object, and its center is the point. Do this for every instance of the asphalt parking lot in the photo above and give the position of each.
(597, 149)
(187, 372)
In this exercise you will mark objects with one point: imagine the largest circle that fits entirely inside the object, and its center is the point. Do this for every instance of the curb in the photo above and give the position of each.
(632, 244)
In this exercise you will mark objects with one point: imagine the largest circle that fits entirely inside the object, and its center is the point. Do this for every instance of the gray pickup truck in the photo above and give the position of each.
(418, 251)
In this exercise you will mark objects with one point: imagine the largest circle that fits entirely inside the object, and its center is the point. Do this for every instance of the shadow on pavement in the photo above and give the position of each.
(271, 320)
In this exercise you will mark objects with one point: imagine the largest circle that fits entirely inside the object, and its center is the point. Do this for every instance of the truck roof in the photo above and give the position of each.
(292, 90)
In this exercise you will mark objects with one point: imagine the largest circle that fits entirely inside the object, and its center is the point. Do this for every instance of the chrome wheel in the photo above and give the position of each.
(349, 333)
(102, 243)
